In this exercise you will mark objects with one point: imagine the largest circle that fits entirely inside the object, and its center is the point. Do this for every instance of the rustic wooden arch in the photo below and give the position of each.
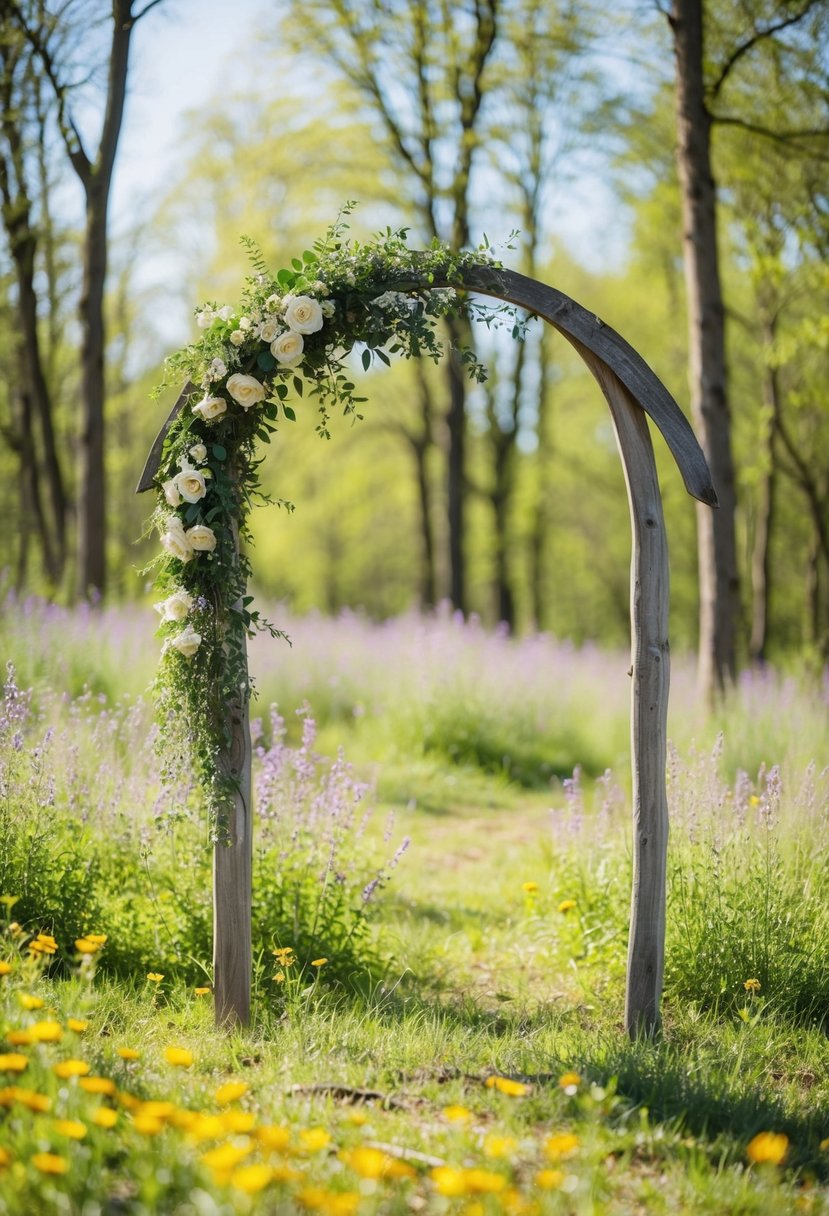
(632, 392)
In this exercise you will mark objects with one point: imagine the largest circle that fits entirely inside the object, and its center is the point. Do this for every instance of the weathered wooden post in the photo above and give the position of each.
(632, 392)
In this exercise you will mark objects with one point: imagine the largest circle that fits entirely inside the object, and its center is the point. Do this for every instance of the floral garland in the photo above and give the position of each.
(293, 332)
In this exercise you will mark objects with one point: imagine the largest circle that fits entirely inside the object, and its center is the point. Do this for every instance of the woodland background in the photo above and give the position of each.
(454, 120)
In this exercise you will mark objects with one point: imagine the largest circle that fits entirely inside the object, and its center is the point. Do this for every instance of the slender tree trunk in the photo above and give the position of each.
(456, 468)
(718, 576)
(421, 447)
(32, 518)
(761, 551)
(541, 508)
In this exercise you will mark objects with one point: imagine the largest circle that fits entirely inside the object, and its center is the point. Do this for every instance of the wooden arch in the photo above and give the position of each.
(632, 391)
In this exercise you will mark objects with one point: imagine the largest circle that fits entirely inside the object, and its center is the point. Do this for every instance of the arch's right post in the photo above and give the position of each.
(649, 599)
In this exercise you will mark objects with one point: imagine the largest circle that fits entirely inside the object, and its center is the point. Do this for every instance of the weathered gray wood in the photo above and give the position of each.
(650, 670)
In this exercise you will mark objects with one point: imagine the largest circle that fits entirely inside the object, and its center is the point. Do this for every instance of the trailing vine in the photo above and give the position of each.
(291, 338)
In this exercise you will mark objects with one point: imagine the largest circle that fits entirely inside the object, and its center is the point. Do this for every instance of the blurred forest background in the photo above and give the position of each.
(454, 119)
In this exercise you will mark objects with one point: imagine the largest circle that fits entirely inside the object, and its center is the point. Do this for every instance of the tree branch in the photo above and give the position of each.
(784, 137)
(758, 36)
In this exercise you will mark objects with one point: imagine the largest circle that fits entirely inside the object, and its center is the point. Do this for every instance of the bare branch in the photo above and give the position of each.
(759, 36)
(146, 9)
(784, 137)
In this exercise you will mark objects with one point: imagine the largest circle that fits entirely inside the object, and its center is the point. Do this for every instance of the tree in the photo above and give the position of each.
(46, 33)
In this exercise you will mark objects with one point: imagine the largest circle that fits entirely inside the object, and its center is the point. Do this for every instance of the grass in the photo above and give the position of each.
(461, 1049)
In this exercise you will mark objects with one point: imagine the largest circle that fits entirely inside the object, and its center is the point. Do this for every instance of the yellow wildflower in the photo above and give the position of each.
(30, 1098)
(499, 1146)
(567, 905)
(50, 1163)
(279, 977)
(271, 1136)
(569, 1082)
(201, 991)
(79, 1025)
(239, 1122)
(179, 1057)
(5, 968)
(367, 1162)
(752, 985)
(319, 962)
(549, 1180)
(128, 1053)
(155, 977)
(231, 1091)
(44, 943)
(282, 953)
(19, 1038)
(85, 945)
(46, 1032)
(105, 1117)
(767, 1147)
(70, 1068)
(8, 901)
(97, 1085)
(72, 1128)
(529, 887)
(449, 1181)
(13, 1061)
(506, 1085)
(563, 1144)
(484, 1182)
(457, 1114)
(146, 1124)
(158, 1110)
(824, 1144)
(28, 1001)
(314, 1139)
(206, 1127)
(226, 1156)
(251, 1178)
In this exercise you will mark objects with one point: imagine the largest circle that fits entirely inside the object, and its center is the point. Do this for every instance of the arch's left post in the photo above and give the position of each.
(233, 870)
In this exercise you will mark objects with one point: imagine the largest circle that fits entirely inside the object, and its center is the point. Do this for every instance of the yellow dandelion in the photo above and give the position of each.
(146, 1125)
(273, 1137)
(73, 1129)
(563, 1144)
(767, 1147)
(319, 962)
(231, 1091)
(449, 1181)
(179, 1057)
(105, 1117)
(8, 901)
(226, 1156)
(251, 1179)
(752, 985)
(357, 1117)
(529, 887)
(549, 1180)
(70, 1068)
(97, 1085)
(567, 905)
(155, 977)
(499, 1146)
(128, 1053)
(456, 1113)
(239, 1122)
(30, 1098)
(158, 1110)
(79, 1025)
(5, 1158)
(85, 945)
(46, 1032)
(279, 978)
(5, 968)
(368, 1162)
(50, 1163)
(824, 1144)
(484, 1182)
(569, 1082)
(128, 1100)
(13, 1061)
(28, 1001)
(506, 1085)
(206, 1127)
(314, 1139)
(202, 991)
(19, 1038)
(283, 952)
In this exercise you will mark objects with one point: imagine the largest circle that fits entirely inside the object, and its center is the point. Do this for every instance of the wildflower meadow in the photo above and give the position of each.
(440, 912)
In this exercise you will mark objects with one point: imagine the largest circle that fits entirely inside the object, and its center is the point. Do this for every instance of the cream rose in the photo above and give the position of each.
(198, 452)
(176, 606)
(210, 407)
(205, 318)
(187, 642)
(191, 483)
(237, 337)
(246, 390)
(269, 329)
(201, 538)
(303, 315)
(287, 348)
(174, 540)
(171, 493)
(218, 369)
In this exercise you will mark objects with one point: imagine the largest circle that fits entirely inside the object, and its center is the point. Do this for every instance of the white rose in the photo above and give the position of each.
(287, 348)
(303, 315)
(225, 313)
(218, 369)
(269, 329)
(191, 483)
(205, 318)
(237, 337)
(201, 537)
(210, 407)
(175, 542)
(246, 390)
(244, 322)
(171, 493)
(187, 642)
(176, 606)
(199, 453)
(273, 303)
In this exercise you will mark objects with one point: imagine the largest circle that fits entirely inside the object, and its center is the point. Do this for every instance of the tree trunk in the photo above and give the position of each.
(761, 551)
(456, 467)
(420, 450)
(718, 576)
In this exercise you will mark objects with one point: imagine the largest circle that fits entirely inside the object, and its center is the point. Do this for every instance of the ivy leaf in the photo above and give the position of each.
(381, 354)
(281, 391)
(219, 453)
(266, 361)
(366, 358)
(289, 413)
(298, 385)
